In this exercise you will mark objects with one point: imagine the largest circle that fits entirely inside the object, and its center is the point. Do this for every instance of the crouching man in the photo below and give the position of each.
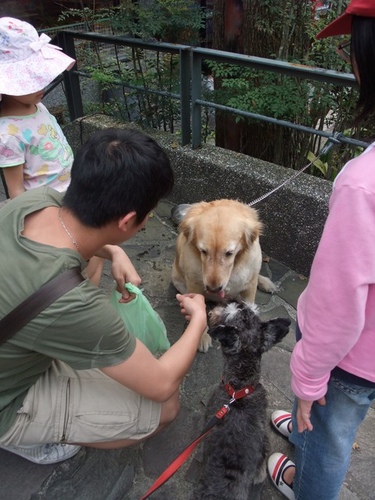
(73, 375)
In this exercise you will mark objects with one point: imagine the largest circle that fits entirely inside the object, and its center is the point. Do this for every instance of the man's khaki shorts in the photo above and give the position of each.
(81, 406)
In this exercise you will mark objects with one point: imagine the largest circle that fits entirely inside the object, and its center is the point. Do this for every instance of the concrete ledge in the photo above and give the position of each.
(293, 217)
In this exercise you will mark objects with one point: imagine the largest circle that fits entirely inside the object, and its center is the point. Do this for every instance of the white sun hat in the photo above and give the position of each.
(28, 62)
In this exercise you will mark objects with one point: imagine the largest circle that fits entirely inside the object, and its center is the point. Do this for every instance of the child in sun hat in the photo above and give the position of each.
(34, 151)
(33, 148)
(332, 364)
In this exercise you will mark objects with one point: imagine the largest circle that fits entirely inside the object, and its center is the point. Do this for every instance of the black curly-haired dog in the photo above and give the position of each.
(235, 451)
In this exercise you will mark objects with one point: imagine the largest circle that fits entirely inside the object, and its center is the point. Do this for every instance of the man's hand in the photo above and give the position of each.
(122, 270)
(191, 304)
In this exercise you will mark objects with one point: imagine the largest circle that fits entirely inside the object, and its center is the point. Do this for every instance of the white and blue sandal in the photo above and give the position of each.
(278, 463)
(281, 421)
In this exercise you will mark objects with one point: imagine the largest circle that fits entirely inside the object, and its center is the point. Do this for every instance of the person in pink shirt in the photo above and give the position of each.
(332, 364)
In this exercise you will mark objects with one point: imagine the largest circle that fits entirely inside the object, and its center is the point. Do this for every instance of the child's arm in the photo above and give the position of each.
(14, 180)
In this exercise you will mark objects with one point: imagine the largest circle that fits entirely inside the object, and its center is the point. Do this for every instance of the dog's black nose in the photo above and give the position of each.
(214, 290)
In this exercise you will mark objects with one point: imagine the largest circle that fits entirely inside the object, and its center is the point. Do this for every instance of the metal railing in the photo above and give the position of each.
(190, 91)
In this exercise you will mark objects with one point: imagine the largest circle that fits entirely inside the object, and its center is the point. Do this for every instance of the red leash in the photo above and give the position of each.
(177, 462)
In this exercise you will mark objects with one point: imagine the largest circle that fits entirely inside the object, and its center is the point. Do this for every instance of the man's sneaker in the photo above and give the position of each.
(44, 454)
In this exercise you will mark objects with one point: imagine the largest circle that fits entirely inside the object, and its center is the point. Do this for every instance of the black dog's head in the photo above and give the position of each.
(238, 329)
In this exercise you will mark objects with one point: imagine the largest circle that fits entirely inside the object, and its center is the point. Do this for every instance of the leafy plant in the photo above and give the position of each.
(327, 172)
(284, 29)
(280, 29)
(124, 73)
(176, 21)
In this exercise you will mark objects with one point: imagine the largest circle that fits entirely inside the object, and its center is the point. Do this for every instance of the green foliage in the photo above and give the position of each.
(286, 29)
(176, 21)
(349, 133)
(280, 29)
(85, 15)
(323, 167)
(124, 73)
(277, 96)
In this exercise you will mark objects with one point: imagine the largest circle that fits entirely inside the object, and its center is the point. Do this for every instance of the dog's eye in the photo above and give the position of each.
(228, 254)
(204, 252)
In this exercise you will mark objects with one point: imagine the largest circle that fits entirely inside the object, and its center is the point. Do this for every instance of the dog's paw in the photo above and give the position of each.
(266, 285)
(205, 342)
(261, 474)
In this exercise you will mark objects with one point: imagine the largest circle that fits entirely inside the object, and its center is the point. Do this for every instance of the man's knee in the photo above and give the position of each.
(170, 410)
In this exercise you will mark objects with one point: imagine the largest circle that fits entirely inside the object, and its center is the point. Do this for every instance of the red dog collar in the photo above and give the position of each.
(241, 393)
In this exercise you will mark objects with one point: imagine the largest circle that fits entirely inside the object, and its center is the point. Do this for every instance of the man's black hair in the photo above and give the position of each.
(363, 58)
(115, 172)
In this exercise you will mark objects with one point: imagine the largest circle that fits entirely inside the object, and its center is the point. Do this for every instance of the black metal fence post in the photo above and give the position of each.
(185, 77)
(196, 94)
(71, 77)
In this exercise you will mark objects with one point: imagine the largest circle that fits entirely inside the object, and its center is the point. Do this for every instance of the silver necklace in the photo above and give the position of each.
(67, 231)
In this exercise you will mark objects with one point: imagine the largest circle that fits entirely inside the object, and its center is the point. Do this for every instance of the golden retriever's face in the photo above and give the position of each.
(220, 231)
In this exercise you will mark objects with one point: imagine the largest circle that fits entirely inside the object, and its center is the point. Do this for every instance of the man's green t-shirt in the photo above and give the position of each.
(81, 328)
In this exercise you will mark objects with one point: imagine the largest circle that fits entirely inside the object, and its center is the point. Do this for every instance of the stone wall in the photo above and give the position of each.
(293, 216)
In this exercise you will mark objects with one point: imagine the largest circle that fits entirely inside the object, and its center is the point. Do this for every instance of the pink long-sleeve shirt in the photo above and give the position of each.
(336, 312)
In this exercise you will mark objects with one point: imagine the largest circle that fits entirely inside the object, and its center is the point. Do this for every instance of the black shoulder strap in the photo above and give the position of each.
(38, 301)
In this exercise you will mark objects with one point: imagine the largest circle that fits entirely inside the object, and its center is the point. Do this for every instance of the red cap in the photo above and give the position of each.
(343, 24)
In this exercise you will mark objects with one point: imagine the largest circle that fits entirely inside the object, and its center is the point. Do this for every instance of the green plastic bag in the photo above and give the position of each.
(141, 319)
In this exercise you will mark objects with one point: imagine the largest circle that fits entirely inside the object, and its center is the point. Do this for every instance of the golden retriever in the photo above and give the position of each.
(218, 253)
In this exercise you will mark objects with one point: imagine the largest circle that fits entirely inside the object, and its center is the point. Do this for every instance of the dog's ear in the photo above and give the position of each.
(273, 332)
(252, 229)
(227, 336)
(187, 228)
(187, 224)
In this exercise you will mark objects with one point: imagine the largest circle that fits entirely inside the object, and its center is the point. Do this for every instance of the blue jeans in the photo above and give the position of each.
(322, 456)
